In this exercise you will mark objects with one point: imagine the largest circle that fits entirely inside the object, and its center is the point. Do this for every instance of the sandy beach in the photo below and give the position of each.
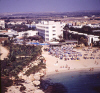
(4, 52)
(55, 65)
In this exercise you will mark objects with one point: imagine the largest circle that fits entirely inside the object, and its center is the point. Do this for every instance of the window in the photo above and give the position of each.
(40, 27)
(47, 31)
(54, 30)
(47, 39)
(47, 34)
(54, 34)
(53, 26)
(47, 27)
(54, 38)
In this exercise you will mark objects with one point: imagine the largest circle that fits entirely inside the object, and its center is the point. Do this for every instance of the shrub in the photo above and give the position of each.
(22, 88)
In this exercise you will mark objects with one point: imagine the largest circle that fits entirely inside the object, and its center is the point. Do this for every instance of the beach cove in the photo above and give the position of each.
(87, 70)
(80, 81)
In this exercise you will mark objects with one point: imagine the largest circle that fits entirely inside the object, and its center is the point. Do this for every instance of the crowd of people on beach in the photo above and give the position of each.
(68, 52)
(65, 52)
(91, 53)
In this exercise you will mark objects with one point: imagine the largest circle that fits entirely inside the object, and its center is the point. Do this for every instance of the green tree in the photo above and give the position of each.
(66, 27)
(60, 37)
(86, 29)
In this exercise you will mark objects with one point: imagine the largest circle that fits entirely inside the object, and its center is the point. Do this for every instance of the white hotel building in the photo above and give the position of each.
(50, 29)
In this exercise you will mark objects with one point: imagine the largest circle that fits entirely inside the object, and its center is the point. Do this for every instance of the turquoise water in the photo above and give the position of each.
(39, 43)
(77, 82)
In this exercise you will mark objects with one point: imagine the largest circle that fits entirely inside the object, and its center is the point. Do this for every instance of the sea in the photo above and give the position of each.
(83, 81)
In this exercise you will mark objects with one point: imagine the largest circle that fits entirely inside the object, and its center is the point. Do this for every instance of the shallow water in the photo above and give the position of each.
(77, 81)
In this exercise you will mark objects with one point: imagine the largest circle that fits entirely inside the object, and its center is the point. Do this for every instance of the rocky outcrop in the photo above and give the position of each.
(38, 91)
(36, 83)
(31, 83)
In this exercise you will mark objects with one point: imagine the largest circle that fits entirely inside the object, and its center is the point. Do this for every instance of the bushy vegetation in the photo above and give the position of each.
(22, 88)
(19, 27)
(5, 82)
(35, 69)
(19, 56)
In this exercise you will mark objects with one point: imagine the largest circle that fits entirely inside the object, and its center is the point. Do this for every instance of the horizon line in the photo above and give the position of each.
(51, 12)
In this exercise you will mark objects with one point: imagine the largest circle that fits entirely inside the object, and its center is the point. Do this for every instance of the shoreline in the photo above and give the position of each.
(70, 77)
(96, 69)
(55, 65)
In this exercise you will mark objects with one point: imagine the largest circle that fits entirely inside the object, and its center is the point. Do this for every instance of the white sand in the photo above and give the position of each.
(73, 64)
(4, 52)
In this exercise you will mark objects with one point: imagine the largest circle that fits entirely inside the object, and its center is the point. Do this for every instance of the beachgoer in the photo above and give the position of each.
(66, 65)
(68, 68)
(90, 69)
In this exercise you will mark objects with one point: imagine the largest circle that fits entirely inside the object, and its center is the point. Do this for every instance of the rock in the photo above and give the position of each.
(36, 82)
(31, 77)
(41, 74)
(24, 77)
(20, 75)
(37, 77)
(35, 64)
(43, 69)
(38, 91)
(13, 78)
(13, 89)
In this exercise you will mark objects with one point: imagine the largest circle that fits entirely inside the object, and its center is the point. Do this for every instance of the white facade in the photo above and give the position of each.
(50, 29)
(77, 26)
(16, 23)
(91, 38)
(31, 25)
(29, 33)
(2, 23)
(9, 33)
(94, 25)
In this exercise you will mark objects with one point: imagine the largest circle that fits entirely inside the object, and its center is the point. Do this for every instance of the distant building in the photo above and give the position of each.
(17, 22)
(31, 25)
(77, 26)
(90, 38)
(2, 23)
(29, 33)
(94, 25)
(9, 33)
(50, 30)
(85, 17)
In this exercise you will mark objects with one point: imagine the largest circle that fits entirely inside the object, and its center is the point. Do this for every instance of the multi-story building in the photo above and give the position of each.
(2, 23)
(50, 30)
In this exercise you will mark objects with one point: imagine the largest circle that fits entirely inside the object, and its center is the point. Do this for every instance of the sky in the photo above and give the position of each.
(14, 6)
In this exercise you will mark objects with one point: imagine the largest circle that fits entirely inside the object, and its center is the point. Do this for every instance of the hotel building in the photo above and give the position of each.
(50, 30)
